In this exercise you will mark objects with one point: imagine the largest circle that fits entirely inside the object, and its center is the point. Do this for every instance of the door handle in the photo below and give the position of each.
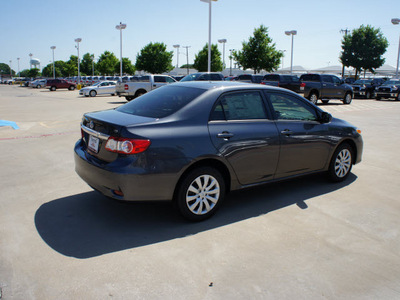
(287, 132)
(225, 135)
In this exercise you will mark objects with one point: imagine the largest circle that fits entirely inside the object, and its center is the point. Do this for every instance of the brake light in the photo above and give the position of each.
(126, 146)
(303, 84)
(126, 87)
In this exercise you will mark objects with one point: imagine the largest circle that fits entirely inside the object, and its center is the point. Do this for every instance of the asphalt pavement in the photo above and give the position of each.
(300, 239)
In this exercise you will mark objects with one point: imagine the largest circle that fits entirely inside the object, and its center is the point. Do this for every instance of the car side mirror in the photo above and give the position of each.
(326, 117)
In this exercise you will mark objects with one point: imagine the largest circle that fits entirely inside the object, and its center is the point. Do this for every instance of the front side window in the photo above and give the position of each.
(288, 107)
(239, 106)
(327, 78)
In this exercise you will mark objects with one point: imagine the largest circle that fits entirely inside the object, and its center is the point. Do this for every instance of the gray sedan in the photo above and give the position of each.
(99, 88)
(193, 142)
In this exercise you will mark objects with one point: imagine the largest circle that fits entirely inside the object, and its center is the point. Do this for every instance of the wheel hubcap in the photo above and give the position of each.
(202, 194)
(343, 163)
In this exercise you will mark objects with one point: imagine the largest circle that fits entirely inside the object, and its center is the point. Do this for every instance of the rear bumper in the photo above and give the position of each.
(136, 183)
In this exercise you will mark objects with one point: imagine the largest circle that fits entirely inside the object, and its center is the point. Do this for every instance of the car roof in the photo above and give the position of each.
(226, 85)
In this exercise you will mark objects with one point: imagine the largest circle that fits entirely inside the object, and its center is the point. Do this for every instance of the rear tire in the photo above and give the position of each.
(313, 98)
(128, 98)
(341, 163)
(53, 88)
(71, 88)
(200, 193)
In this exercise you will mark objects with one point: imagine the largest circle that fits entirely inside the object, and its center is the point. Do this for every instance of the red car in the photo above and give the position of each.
(54, 84)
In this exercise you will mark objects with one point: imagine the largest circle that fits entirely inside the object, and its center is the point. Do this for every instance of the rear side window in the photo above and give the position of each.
(161, 102)
(239, 106)
(310, 77)
(159, 79)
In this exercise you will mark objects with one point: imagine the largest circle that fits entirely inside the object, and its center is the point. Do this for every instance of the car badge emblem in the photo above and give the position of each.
(91, 125)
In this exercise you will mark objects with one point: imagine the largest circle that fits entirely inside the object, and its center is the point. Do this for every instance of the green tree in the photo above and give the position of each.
(201, 59)
(33, 73)
(127, 67)
(70, 68)
(259, 53)
(363, 49)
(87, 64)
(106, 63)
(155, 59)
(59, 67)
(5, 69)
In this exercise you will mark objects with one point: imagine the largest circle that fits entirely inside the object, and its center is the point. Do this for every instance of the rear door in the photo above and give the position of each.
(161, 81)
(241, 129)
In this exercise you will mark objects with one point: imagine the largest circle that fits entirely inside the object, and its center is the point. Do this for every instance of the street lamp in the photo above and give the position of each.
(223, 41)
(292, 33)
(10, 69)
(18, 65)
(120, 27)
(177, 55)
(396, 22)
(230, 57)
(209, 33)
(187, 57)
(54, 68)
(92, 57)
(78, 40)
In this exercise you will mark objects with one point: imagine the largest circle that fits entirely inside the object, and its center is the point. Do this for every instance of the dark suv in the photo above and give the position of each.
(365, 88)
(250, 78)
(54, 84)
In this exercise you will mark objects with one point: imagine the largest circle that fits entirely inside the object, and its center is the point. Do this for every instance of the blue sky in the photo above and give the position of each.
(35, 26)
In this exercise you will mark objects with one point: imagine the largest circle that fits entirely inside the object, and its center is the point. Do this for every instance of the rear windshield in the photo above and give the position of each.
(161, 102)
(310, 77)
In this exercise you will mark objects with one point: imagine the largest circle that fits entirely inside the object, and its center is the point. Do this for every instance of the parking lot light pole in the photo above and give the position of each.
(223, 41)
(177, 55)
(78, 40)
(187, 57)
(54, 69)
(292, 33)
(209, 33)
(30, 60)
(18, 65)
(10, 70)
(230, 57)
(396, 21)
(92, 57)
(120, 27)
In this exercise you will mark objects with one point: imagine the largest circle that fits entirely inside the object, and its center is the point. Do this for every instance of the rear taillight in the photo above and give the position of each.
(303, 84)
(126, 146)
(126, 87)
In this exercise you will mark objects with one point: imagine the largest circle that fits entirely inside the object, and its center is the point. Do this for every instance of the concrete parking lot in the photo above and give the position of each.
(300, 239)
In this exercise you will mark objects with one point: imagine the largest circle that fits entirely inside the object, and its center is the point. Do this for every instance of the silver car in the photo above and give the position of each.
(99, 88)
(38, 83)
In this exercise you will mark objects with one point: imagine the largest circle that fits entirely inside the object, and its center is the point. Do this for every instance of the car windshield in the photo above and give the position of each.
(392, 82)
(161, 102)
(190, 77)
(363, 81)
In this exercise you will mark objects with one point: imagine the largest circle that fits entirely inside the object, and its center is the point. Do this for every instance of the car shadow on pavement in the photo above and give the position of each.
(88, 224)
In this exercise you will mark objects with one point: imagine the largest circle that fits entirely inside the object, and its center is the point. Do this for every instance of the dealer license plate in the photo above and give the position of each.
(93, 143)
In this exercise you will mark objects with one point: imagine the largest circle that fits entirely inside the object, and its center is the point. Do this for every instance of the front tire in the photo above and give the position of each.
(347, 99)
(71, 88)
(200, 193)
(53, 88)
(341, 163)
(38, 86)
(92, 93)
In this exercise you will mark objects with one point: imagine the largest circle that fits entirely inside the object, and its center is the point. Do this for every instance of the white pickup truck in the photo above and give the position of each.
(136, 86)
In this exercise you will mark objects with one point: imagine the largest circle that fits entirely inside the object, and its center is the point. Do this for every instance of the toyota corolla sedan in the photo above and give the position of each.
(99, 88)
(193, 142)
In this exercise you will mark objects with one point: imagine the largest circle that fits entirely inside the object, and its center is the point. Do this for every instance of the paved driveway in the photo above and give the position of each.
(301, 239)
